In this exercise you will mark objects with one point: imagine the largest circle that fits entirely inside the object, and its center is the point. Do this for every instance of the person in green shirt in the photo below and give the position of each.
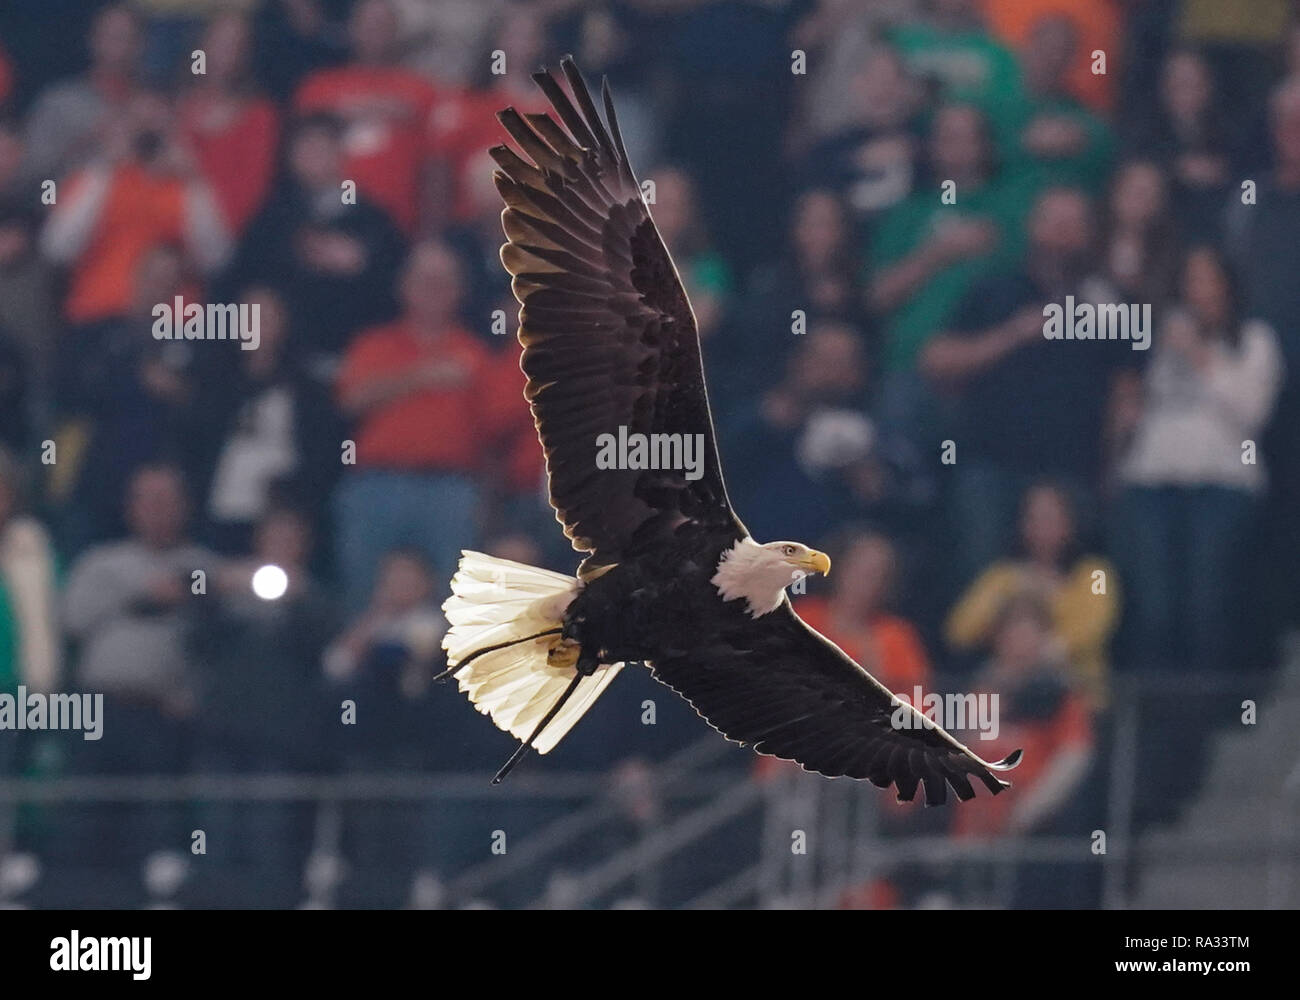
(1058, 141)
(960, 60)
(930, 248)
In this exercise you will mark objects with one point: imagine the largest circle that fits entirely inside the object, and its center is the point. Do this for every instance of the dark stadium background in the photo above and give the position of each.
(859, 333)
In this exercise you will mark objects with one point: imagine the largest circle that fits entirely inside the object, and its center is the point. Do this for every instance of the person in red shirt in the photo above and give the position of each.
(144, 191)
(428, 406)
(464, 124)
(386, 109)
(232, 131)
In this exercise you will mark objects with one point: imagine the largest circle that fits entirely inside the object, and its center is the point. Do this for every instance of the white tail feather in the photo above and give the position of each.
(496, 602)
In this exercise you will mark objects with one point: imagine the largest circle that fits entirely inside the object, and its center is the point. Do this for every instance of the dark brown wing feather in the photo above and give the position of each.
(608, 334)
(777, 685)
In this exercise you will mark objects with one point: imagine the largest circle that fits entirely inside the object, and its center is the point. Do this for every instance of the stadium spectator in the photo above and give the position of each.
(127, 605)
(872, 160)
(31, 647)
(142, 191)
(423, 371)
(929, 249)
(28, 323)
(791, 448)
(1191, 474)
(1266, 255)
(1027, 406)
(1139, 253)
(128, 399)
(816, 279)
(1059, 140)
(954, 55)
(256, 655)
(232, 130)
(333, 257)
(269, 433)
(382, 663)
(1081, 591)
(65, 128)
(1193, 138)
(1100, 26)
(1038, 711)
(385, 108)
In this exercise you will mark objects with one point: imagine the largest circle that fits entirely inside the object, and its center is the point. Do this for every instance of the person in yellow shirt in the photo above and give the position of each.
(1081, 591)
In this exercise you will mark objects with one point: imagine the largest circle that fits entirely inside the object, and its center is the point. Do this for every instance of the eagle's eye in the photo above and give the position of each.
(788, 550)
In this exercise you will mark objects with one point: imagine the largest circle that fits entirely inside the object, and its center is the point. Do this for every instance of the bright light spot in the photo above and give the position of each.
(270, 583)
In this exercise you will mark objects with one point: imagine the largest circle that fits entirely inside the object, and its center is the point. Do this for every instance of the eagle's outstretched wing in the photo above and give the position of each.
(777, 685)
(608, 334)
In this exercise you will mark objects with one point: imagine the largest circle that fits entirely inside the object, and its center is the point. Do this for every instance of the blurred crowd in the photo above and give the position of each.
(870, 203)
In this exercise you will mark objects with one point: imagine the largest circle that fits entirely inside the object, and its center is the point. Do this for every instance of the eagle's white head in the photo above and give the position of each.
(760, 573)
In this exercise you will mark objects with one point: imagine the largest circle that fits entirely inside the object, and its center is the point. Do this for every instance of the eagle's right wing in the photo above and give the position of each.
(778, 685)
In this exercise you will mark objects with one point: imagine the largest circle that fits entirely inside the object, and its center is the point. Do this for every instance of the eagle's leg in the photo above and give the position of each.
(524, 747)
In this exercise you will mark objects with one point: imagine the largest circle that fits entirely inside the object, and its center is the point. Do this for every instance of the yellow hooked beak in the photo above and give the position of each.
(817, 562)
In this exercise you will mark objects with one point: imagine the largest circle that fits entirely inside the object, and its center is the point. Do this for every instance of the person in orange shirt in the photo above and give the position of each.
(428, 405)
(386, 109)
(233, 131)
(1039, 711)
(144, 191)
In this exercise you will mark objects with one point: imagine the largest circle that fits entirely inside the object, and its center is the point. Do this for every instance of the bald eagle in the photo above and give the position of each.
(671, 580)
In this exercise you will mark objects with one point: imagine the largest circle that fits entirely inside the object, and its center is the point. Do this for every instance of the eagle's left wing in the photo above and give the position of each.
(777, 685)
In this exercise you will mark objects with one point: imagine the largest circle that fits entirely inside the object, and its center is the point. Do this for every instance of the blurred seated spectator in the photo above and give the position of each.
(817, 276)
(268, 427)
(143, 190)
(1048, 562)
(231, 128)
(31, 648)
(127, 606)
(1027, 406)
(427, 402)
(27, 308)
(1098, 25)
(1267, 257)
(130, 399)
(1191, 475)
(1060, 141)
(383, 663)
(385, 109)
(1195, 140)
(463, 124)
(1037, 711)
(1139, 252)
(928, 251)
(806, 455)
(256, 645)
(856, 615)
(953, 54)
(66, 126)
(332, 257)
(872, 159)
